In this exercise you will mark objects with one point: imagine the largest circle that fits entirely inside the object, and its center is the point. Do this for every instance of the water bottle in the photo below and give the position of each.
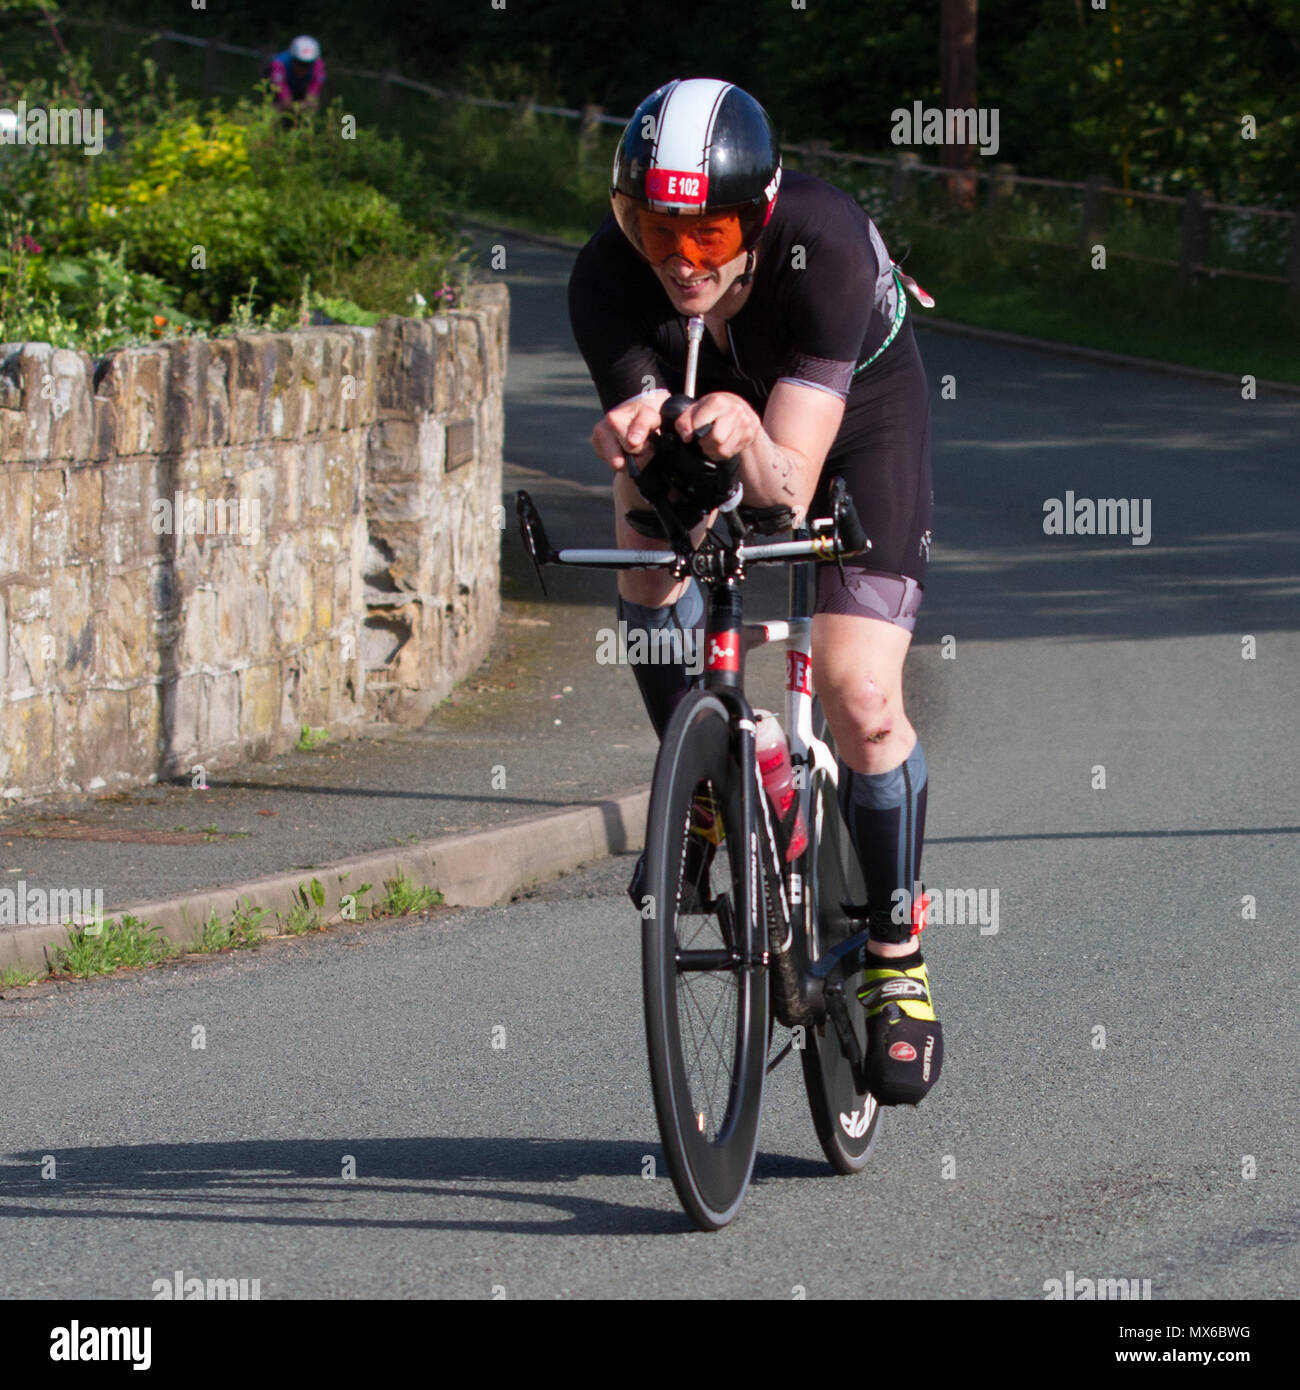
(778, 779)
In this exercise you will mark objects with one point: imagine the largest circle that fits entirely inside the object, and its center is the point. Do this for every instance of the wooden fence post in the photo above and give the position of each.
(210, 66)
(385, 89)
(1002, 186)
(903, 188)
(1195, 228)
(1094, 210)
(588, 125)
(818, 164)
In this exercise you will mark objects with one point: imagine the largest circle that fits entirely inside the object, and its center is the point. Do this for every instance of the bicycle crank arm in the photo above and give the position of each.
(845, 957)
(838, 1013)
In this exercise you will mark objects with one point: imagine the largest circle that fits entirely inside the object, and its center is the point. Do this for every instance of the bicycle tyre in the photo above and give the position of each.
(847, 1120)
(707, 1107)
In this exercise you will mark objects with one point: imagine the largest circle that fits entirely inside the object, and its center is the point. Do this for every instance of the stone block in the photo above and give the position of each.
(290, 591)
(85, 511)
(31, 385)
(135, 380)
(221, 366)
(395, 448)
(250, 406)
(13, 436)
(73, 602)
(87, 722)
(144, 728)
(286, 395)
(223, 712)
(309, 364)
(27, 746)
(123, 541)
(395, 501)
(185, 719)
(469, 360)
(407, 353)
(200, 640)
(49, 520)
(259, 706)
(128, 628)
(185, 407)
(431, 449)
(322, 589)
(68, 398)
(17, 491)
(33, 640)
(260, 488)
(104, 443)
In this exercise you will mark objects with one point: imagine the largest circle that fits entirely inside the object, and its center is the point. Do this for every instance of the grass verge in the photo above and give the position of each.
(129, 943)
(100, 948)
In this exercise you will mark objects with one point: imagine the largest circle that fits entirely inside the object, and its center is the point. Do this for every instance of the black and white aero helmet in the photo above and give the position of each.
(698, 145)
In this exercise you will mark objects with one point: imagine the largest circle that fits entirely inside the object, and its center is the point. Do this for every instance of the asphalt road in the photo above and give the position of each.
(1171, 1153)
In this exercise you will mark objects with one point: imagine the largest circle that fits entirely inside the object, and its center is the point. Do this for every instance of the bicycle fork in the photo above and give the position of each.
(797, 997)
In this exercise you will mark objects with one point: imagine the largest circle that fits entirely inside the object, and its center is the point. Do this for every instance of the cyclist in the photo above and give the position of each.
(298, 74)
(808, 370)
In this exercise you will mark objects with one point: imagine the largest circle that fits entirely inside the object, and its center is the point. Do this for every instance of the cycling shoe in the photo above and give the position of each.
(904, 1037)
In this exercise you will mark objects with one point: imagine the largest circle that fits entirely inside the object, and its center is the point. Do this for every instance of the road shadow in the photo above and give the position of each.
(298, 1183)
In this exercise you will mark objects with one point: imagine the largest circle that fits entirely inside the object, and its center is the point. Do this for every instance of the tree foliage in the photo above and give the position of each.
(1152, 91)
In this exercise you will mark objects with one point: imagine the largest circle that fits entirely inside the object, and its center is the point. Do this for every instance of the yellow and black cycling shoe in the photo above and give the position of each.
(904, 1036)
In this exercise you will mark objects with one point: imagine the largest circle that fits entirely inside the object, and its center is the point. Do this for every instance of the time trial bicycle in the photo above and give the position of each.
(736, 933)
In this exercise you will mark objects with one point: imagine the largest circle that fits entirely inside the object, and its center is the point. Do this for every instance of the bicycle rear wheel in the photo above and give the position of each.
(706, 1000)
(847, 1120)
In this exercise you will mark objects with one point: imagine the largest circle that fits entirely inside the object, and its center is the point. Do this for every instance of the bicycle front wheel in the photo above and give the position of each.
(706, 999)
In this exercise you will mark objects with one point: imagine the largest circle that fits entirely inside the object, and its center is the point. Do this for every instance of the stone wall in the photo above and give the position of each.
(205, 545)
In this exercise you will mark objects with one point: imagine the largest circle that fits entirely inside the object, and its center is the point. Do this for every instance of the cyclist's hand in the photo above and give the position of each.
(626, 430)
(734, 424)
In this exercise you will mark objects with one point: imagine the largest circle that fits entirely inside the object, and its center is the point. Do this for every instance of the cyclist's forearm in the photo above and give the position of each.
(775, 475)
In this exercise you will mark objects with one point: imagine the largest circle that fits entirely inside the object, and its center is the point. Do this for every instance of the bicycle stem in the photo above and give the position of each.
(694, 334)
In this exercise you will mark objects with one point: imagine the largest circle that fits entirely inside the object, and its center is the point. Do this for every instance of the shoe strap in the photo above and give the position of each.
(897, 987)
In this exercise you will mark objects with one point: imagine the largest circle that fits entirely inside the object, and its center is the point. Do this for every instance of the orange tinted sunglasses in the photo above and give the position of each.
(709, 242)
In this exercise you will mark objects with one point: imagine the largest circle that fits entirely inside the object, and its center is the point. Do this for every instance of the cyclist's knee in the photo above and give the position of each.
(868, 722)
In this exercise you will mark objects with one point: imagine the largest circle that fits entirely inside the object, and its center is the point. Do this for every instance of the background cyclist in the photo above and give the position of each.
(298, 74)
(808, 370)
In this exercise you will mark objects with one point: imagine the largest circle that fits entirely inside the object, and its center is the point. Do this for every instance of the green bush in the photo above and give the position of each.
(204, 217)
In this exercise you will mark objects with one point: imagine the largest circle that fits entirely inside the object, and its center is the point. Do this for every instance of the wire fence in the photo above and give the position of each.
(1212, 239)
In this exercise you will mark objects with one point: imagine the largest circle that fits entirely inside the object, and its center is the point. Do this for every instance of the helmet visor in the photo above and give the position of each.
(708, 240)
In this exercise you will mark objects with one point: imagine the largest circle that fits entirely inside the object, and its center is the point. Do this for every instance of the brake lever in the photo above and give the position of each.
(847, 528)
(534, 534)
